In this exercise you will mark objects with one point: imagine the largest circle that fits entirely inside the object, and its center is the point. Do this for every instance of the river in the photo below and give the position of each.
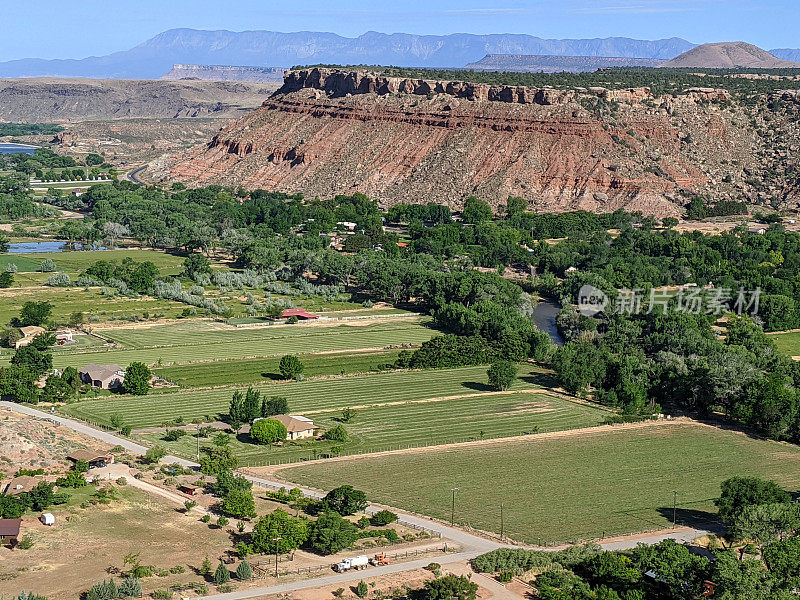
(544, 315)
(8, 148)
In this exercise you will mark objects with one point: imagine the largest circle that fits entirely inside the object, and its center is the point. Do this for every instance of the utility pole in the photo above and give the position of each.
(198, 442)
(277, 539)
(674, 509)
(453, 507)
(501, 522)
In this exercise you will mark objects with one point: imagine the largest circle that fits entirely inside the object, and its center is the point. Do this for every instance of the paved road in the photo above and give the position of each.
(132, 175)
(470, 545)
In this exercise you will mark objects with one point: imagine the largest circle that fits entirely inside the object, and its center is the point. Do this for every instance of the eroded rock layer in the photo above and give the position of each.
(402, 140)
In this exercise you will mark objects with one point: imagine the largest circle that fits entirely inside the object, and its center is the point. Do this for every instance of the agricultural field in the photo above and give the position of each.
(66, 301)
(199, 341)
(307, 397)
(788, 343)
(419, 423)
(570, 486)
(72, 262)
(259, 370)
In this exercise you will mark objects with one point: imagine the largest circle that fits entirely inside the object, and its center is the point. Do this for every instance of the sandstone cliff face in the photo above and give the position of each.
(409, 140)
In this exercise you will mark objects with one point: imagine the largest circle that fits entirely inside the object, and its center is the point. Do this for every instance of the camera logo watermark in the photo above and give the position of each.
(591, 300)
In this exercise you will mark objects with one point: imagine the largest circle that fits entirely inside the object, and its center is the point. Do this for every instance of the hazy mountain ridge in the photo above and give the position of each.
(154, 57)
(557, 64)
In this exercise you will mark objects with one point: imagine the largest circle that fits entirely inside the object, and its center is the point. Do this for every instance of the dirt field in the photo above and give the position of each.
(27, 443)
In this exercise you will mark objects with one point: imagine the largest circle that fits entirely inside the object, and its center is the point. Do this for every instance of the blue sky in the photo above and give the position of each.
(53, 29)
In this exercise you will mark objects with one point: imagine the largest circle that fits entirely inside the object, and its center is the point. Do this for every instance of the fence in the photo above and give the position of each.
(266, 568)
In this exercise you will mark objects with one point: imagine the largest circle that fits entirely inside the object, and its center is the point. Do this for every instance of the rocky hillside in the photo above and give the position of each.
(61, 100)
(327, 132)
(225, 73)
(549, 63)
(729, 55)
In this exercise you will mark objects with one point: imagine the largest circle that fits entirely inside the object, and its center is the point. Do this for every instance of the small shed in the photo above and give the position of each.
(189, 489)
(9, 531)
(47, 519)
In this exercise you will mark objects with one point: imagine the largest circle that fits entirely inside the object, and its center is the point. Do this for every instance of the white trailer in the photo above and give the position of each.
(357, 562)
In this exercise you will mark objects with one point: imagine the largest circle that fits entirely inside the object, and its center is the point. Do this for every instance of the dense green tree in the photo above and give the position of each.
(36, 361)
(293, 531)
(34, 313)
(502, 374)
(290, 367)
(345, 500)
(268, 431)
(739, 492)
(137, 379)
(332, 533)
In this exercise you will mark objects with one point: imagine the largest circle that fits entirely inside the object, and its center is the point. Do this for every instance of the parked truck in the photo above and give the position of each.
(357, 562)
(379, 559)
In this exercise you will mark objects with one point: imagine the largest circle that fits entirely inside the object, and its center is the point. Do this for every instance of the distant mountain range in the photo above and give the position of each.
(156, 56)
(556, 64)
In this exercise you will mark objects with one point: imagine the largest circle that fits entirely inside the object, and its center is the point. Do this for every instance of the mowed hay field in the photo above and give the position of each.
(420, 423)
(788, 343)
(305, 397)
(566, 487)
(199, 341)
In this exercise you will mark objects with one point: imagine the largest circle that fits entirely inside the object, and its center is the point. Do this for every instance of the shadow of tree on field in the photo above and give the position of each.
(477, 386)
(546, 380)
(690, 517)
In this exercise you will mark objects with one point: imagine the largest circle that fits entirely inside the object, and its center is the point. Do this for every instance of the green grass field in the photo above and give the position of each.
(66, 301)
(307, 397)
(421, 423)
(788, 343)
(198, 341)
(567, 488)
(72, 262)
(261, 370)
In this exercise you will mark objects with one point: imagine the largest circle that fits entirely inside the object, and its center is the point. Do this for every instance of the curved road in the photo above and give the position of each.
(131, 175)
(470, 545)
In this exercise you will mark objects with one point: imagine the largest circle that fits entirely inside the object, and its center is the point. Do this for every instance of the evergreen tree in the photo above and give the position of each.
(222, 575)
(244, 571)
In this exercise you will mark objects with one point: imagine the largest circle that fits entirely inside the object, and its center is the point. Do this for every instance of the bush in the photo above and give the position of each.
(122, 481)
(48, 265)
(361, 589)
(222, 521)
(26, 543)
(205, 518)
(155, 454)
(59, 280)
(268, 431)
(383, 517)
(337, 433)
(130, 587)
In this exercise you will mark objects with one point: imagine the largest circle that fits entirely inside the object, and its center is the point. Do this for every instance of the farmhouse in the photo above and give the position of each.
(297, 427)
(300, 313)
(9, 531)
(107, 377)
(64, 336)
(20, 485)
(28, 333)
(93, 457)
